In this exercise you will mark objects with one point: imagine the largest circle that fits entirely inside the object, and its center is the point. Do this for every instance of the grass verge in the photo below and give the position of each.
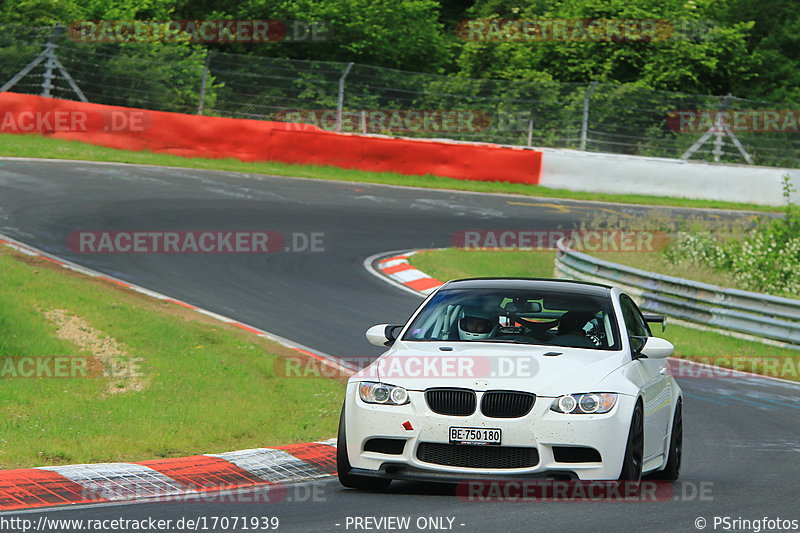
(690, 343)
(30, 145)
(657, 262)
(202, 387)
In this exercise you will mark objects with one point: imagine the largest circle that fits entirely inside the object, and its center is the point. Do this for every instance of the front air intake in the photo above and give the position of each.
(575, 454)
(507, 404)
(487, 457)
(451, 402)
(387, 446)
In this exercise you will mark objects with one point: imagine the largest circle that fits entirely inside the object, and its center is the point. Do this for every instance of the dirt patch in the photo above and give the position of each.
(122, 371)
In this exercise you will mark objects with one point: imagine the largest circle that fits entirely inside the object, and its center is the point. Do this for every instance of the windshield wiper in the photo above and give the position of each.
(516, 341)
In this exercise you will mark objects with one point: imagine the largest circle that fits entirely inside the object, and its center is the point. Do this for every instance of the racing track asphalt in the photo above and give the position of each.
(741, 433)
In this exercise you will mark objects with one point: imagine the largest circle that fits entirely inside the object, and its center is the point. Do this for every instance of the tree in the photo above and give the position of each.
(403, 34)
(773, 44)
(689, 53)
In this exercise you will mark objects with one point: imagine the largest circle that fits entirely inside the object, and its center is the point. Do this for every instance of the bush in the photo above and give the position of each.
(766, 259)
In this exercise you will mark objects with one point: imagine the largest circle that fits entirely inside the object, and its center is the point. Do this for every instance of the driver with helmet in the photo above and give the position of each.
(478, 324)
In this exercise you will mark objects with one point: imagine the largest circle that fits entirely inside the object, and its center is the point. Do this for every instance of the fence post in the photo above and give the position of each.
(340, 103)
(51, 61)
(202, 102)
(585, 118)
(49, 65)
(530, 133)
(719, 130)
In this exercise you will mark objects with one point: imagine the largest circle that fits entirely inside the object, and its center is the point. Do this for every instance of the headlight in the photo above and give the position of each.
(583, 404)
(381, 393)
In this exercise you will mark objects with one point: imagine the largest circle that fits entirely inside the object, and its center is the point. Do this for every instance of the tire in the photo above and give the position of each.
(634, 449)
(343, 467)
(673, 468)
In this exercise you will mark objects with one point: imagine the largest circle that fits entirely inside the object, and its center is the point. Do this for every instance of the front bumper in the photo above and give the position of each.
(541, 429)
(403, 472)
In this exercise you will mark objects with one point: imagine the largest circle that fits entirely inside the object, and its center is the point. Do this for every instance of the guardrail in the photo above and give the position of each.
(749, 313)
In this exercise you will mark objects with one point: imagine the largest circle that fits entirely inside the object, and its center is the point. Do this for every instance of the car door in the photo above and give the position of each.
(654, 372)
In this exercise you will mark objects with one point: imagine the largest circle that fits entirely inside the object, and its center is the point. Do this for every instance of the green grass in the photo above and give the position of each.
(657, 262)
(698, 345)
(211, 387)
(31, 145)
(454, 263)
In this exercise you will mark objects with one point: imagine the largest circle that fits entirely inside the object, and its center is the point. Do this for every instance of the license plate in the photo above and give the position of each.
(475, 436)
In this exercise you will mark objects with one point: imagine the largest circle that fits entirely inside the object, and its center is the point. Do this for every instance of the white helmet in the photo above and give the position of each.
(477, 325)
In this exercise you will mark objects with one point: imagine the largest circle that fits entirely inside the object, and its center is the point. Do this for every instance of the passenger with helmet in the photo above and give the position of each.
(571, 330)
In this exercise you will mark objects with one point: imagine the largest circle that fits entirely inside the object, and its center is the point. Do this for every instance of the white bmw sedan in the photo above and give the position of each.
(514, 378)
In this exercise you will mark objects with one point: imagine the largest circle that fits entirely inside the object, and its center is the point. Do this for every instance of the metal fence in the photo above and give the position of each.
(748, 313)
(599, 117)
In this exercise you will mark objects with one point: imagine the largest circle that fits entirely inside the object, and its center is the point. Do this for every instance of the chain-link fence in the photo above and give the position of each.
(595, 117)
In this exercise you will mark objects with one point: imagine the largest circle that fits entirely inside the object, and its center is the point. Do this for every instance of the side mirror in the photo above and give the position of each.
(383, 334)
(657, 348)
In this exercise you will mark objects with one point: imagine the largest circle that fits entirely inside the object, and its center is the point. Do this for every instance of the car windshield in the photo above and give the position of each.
(525, 316)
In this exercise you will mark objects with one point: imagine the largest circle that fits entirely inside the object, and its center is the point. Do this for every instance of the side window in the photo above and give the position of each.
(634, 322)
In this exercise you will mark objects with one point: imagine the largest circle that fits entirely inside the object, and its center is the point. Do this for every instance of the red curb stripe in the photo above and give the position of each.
(306, 352)
(203, 473)
(322, 456)
(398, 268)
(423, 284)
(247, 328)
(111, 280)
(394, 258)
(29, 487)
(182, 304)
(322, 359)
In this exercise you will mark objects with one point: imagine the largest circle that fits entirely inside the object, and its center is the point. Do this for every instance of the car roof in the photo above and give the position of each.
(566, 285)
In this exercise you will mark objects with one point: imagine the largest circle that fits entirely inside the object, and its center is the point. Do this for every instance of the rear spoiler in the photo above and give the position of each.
(656, 318)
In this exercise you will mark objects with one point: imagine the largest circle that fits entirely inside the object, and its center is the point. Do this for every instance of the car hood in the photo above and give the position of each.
(422, 365)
